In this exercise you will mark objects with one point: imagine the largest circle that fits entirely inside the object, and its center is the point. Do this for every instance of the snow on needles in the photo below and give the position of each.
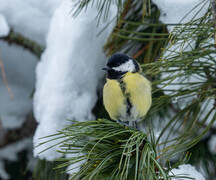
(29, 17)
(186, 170)
(68, 73)
(172, 11)
(4, 28)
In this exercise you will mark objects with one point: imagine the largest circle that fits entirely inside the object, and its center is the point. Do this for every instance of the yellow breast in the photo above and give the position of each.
(113, 99)
(137, 90)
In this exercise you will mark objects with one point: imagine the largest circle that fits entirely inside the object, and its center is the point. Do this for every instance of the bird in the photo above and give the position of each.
(127, 92)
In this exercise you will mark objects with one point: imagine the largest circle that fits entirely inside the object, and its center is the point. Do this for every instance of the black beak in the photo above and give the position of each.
(106, 68)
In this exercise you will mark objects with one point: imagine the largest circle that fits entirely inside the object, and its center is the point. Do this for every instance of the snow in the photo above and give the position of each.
(74, 168)
(173, 12)
(188, 171)
(4, 30)
(29, 17)
(19, 68)
(68, 73)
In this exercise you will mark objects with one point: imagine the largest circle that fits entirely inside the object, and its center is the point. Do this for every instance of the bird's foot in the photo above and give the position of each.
(135, 125)
(124, 123)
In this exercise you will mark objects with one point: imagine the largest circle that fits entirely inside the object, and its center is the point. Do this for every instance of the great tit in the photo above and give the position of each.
(127, 93)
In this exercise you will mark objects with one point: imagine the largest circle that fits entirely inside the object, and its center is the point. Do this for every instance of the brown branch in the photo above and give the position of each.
(18, 39)
(5, 79)
(141, 51)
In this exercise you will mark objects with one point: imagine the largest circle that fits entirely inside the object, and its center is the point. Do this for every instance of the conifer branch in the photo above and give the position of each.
(20, 40)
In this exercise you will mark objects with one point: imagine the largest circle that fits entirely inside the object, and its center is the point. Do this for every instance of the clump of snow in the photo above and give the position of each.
(188, 171)
(4, 28)
(68, 73)
(172, 11)
(29, 17)
(19, 68)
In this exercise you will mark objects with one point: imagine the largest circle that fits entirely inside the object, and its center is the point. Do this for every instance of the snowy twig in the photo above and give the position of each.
(18, 39)
(27, 130)
(5, 79)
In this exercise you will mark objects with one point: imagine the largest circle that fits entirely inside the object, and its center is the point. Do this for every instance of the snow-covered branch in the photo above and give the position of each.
(28, 44)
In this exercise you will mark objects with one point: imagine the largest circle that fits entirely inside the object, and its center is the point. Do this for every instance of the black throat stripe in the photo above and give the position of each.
(129, 106)
(122, 85)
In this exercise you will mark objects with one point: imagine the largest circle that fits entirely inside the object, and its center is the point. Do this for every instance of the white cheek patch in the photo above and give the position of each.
(128, 66)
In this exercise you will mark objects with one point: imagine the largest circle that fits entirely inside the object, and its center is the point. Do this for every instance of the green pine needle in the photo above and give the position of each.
(110, 150)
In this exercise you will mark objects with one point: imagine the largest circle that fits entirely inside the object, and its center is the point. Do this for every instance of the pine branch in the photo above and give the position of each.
(18, 39)
(203, 159)
(137, 35)
(182, 60)
(47, 170)
(110, 151)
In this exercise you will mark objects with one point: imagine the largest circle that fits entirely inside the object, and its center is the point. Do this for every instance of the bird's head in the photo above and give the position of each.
(120, 64)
